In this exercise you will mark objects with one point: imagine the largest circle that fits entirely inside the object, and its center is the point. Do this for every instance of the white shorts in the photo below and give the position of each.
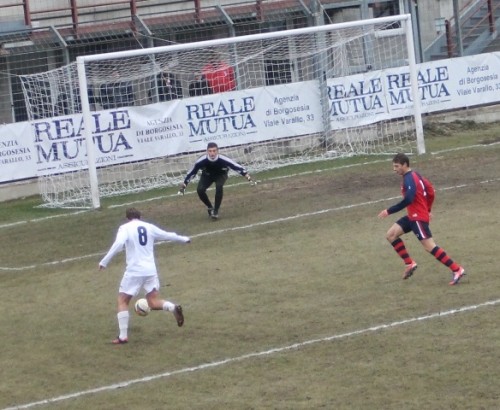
(131, 285)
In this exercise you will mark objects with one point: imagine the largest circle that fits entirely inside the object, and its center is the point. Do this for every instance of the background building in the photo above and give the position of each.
(37, 36)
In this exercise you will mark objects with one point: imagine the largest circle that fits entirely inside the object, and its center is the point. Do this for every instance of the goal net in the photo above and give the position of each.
(129, 121)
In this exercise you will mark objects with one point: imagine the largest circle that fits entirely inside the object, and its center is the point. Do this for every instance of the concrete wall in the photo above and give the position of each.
(432, 11)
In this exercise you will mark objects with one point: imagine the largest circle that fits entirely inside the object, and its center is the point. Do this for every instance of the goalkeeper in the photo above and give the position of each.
(214, 169)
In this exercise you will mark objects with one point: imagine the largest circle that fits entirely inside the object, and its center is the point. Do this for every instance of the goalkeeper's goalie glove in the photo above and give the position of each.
(249, 178)
(182, 189)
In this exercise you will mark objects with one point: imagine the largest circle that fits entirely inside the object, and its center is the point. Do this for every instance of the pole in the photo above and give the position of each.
(458, 29)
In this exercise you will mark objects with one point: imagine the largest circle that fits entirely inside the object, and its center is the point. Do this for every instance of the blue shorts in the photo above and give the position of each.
(420, 229)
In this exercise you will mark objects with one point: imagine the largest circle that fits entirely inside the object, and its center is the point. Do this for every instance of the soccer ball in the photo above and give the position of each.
(141, 307)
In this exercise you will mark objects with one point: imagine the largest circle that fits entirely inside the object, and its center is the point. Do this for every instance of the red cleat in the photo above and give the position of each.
(412, 267)
(457, 275)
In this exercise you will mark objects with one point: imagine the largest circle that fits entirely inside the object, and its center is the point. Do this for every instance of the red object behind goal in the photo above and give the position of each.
(220, 77)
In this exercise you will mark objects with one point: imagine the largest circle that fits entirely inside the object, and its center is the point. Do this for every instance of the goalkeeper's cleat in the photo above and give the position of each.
(119, 341)
(210, 212)
(179, 316)
(412, 267)
(182, 189)
(457, 275)
(215, 215)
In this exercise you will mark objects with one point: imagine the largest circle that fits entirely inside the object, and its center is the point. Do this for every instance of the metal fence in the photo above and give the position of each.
(38, 36)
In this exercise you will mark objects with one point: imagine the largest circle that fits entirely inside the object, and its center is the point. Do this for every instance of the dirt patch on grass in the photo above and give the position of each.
(443, 129)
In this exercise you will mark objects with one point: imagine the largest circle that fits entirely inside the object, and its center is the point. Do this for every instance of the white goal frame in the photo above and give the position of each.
(322, 36)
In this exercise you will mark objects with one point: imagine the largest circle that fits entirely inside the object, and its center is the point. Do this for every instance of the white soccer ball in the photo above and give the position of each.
(141, 307)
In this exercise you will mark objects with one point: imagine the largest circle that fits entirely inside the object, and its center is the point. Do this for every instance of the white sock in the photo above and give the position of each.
(123, 324)
(168, 306)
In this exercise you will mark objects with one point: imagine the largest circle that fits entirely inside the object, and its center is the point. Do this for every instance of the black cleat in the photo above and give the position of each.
(179, 316)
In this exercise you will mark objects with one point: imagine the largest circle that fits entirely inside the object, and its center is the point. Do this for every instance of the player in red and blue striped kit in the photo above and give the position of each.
(418, 197)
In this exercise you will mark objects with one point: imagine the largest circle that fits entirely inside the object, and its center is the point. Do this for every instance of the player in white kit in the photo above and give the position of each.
(138, 238)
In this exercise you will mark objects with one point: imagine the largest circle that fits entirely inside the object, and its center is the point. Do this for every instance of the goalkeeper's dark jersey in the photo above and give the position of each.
(418, 196)
(214, 168)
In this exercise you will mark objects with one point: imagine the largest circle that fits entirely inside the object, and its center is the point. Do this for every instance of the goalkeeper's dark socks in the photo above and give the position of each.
(442, 257)
(400, 248)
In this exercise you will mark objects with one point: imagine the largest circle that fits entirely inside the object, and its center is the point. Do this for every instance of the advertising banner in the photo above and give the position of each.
(16, 152)
(57, 145)
(170, 128)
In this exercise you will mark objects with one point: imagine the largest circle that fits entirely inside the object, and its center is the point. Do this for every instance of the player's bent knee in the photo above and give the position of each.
(391, 235)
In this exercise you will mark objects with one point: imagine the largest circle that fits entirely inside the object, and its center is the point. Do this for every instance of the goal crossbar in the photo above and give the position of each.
(140, 117)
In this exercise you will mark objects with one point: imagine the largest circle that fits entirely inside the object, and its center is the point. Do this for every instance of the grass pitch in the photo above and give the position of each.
(293, 299)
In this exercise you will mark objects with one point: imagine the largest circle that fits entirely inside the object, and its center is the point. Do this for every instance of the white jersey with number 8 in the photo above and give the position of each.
(138, 237)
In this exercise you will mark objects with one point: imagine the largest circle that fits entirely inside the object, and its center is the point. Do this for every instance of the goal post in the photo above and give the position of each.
(419, 128)
(136, 120)
(89, 141)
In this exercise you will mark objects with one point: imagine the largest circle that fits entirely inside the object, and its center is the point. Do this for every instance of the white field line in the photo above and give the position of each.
(243, 183)
(466, 147)
(41, 219)
(250, 226)
(297, 174)
(317, 171)
(176, 195)
(248, 356)
(199, 235)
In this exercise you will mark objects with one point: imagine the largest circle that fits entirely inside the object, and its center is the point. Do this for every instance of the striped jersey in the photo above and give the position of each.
(418, 197)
